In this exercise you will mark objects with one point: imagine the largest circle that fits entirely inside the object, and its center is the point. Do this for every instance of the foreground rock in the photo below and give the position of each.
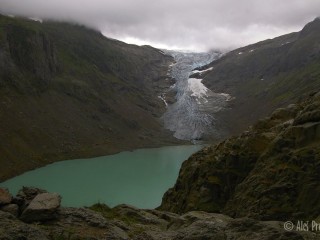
(5, 196)
(42, 208)
(26, 195)
(12, 229)
(12, 209)
(126, 222)
(47, 220)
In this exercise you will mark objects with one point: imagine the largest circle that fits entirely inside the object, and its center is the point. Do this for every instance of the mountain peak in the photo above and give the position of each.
(311, 27)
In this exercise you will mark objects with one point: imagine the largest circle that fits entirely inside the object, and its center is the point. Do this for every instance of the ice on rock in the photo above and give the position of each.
(196, 88)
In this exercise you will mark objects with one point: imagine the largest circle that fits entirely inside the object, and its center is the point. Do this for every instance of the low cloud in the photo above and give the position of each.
(185, 24)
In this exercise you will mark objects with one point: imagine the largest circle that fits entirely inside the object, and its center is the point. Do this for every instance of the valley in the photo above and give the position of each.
(69, 93)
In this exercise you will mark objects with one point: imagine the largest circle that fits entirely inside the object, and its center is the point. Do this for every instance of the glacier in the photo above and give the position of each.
(191, 116)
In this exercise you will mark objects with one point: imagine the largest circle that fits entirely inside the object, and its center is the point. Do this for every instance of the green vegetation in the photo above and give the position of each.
(111, 213)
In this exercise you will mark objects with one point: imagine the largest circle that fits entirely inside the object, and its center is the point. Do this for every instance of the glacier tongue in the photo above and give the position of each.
(192, 115)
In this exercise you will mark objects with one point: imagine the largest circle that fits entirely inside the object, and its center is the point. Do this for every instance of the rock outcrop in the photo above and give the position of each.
(31, 204)
(270, 172)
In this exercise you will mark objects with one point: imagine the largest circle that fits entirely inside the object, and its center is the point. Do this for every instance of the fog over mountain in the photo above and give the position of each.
(186, 24)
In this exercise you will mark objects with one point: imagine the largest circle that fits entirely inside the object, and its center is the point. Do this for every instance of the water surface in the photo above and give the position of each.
(139, 178)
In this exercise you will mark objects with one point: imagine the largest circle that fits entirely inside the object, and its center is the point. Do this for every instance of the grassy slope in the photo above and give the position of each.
(67, 92)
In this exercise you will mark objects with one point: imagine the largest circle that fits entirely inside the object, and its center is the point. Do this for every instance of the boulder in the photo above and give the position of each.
(42, 208)
(11, 208)
(5, 196)
(26, 195)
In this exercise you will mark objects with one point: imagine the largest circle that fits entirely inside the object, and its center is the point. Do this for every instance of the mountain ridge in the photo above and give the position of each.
(270, 73)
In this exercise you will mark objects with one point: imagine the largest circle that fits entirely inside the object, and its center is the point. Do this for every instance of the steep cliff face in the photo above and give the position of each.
(67, 92)
(269, 172)
(264, 76)
(27, 54)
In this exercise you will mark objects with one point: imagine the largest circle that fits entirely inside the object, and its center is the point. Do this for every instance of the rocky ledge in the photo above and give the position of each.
(35, 214)
(270, 172)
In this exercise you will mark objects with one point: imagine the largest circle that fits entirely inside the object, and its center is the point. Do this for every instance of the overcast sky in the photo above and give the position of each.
(184, 24)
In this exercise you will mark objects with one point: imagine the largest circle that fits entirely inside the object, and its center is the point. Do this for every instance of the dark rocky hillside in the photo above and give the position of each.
(67, 92)
(264, 76)
(270, 172)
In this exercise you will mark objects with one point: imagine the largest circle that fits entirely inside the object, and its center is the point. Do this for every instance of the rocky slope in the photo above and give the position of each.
(68, 92)
(264, 76)
(270, 172)
(50, 221)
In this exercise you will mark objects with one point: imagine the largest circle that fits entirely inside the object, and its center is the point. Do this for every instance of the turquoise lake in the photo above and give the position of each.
(139, 178)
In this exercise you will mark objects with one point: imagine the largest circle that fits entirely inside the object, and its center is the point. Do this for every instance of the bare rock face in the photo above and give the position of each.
(42, 208)
(5, 196)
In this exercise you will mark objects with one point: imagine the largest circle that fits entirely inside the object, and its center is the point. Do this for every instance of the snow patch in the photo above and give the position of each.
(252, 50)
(240, 53)
(202, 71)
(285, 43)
(36, 19)
(197, 88)
(165, 102)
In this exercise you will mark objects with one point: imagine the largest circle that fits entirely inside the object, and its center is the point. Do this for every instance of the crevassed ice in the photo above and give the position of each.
(192, 115)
